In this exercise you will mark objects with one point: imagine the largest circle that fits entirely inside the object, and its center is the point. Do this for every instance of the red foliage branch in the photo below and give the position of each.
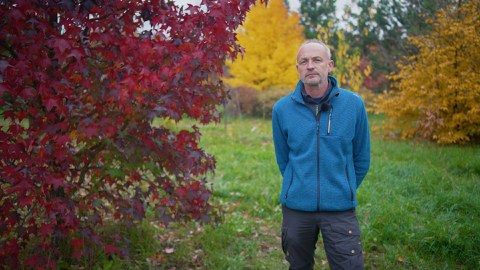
(81, 83)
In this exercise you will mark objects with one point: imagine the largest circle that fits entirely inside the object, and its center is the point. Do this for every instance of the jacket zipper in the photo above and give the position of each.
(318, 163)
(317, 119)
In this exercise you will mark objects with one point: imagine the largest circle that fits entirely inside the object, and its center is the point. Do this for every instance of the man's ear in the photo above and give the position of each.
(331, 66)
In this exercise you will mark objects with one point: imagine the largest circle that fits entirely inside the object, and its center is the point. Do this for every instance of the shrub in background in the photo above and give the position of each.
(268, 98)
(242, 101)
(245, 101)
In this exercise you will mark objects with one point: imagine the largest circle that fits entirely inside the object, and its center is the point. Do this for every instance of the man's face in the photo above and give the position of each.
(313, 64)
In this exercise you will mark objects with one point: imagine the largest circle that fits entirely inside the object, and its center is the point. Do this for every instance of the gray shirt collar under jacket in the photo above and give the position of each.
(315, 103)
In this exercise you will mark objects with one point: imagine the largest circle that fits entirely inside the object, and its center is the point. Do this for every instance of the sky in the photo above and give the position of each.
(294, 4)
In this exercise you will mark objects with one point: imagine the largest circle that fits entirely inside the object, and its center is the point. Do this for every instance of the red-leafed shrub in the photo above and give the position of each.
(80, 84)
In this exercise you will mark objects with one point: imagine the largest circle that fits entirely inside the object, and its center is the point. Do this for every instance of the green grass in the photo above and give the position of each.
(419, 206)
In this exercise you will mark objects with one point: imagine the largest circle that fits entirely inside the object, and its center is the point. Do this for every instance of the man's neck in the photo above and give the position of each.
(316, 91)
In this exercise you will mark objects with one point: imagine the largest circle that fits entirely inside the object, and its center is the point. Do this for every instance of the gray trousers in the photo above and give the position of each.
(340, 233)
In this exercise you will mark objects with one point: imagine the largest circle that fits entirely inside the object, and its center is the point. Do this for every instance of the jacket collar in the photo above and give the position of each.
(297, 93)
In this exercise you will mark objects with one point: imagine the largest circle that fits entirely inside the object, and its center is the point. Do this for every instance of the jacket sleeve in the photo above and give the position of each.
(280, 142)
(361, 145)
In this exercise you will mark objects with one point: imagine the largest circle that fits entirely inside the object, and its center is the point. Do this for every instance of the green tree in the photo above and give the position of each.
(317, 13)
(365, 33)
(394, 20)
(437, 94)
(380, 29)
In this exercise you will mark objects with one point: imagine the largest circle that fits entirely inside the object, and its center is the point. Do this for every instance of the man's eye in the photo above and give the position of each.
(303, 62)
(317, 61)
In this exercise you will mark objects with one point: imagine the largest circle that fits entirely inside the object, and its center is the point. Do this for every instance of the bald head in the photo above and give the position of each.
(315, 41)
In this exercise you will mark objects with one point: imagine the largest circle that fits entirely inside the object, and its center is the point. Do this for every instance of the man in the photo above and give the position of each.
(322, 146)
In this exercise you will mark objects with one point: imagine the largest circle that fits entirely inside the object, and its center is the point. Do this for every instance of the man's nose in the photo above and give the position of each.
(310, 65)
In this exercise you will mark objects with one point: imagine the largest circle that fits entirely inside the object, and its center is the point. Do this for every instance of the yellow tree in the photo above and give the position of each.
(437, 93)
(271, 36)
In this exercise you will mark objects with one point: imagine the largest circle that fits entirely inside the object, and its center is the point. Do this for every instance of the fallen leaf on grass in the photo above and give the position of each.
(169, 250)
(264, 246)
(157, 259)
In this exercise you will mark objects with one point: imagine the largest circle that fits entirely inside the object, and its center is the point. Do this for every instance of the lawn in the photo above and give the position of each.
(419, 206)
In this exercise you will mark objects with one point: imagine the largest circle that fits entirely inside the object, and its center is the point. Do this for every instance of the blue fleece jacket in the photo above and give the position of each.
(322, 159)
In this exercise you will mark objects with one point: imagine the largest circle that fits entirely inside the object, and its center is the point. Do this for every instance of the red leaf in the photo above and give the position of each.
(4, 88)
(25, 200)
(46, 229)
(50, 103)
(181, 192)
(22, 185)
(62, 139)
(91, 131)
(77, 244)
(61, 44)
(55, 180)
(76, 54)
(111, 249)
(35, 260)
(3, 65)
(27, 93)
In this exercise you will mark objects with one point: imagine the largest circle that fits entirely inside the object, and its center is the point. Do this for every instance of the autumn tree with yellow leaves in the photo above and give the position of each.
(437, 91)
(271, 36)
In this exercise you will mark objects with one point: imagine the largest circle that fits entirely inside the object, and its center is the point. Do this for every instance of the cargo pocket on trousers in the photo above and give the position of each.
(348, 239)
(348, 246)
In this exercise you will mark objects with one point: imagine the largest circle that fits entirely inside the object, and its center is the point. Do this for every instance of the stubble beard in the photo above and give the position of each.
(313, 82)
